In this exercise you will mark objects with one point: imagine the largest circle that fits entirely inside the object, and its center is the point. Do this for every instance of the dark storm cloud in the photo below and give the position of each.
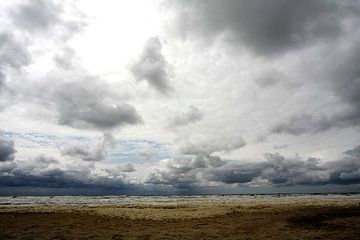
(193, 114)
(265, 27)
(87, 103)
(59, 178)
(346, 171)
(47, 172)
(277, 170)
(7, 149)
(152, 67)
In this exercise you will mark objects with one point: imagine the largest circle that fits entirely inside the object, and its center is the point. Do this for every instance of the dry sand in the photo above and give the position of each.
(248, 219)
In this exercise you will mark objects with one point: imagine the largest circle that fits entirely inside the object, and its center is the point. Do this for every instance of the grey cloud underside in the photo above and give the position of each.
(192, 115)
(275, 171)
(7, 149)
(37, 15)
(152, 67)
(84, 153)
(344, 81)
(267, 28)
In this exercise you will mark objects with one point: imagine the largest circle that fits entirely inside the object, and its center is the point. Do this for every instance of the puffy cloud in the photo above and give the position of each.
(192, 115)
(41, 16)
(152, 67)
(17, 46)
(37, 15)
(91, 154)
(280, 171)
(7, 149)
(84, 153)
(185, 170)
(266, 28)
(277, 170)
(182, 172)
(87, 103)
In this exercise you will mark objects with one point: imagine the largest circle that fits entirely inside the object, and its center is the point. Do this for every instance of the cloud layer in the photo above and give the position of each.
(250, 95)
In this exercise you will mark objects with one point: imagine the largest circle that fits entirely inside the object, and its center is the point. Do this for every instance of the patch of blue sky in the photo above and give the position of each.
(124, 151)
(128, 151)
(44, 140)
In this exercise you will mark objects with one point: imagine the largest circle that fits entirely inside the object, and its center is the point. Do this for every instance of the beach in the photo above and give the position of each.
(249, 218)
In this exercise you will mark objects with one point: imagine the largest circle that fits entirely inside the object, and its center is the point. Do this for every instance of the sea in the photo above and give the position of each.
(158, 199)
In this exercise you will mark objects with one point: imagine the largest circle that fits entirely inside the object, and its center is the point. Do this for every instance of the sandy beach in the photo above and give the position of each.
(248, 219)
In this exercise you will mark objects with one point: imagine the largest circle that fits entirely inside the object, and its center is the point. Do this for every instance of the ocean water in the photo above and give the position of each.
(168, 199)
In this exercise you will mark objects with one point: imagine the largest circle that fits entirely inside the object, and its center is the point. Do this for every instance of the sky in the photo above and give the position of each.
(179, 97)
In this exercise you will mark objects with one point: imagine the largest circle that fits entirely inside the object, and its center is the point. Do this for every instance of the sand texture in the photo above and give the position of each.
(255, 219)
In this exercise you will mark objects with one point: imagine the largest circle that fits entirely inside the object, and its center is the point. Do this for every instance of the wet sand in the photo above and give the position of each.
(248, 219)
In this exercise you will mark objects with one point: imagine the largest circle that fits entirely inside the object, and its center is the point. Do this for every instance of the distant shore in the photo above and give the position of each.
(295, 218)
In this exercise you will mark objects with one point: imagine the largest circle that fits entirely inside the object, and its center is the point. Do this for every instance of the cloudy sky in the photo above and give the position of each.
(179, 97)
